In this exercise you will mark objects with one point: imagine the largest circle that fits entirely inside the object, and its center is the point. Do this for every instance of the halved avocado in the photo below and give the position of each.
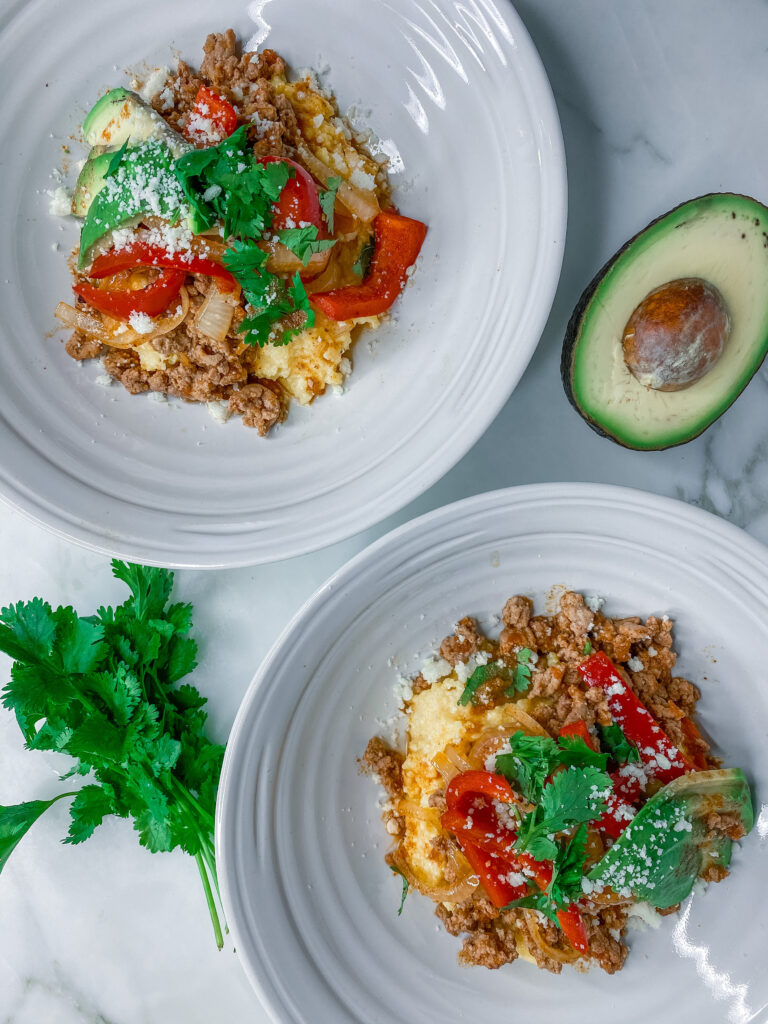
(720, 238)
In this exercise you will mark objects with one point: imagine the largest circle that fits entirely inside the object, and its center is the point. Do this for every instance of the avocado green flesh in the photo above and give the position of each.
(121, 115)
(144, 184)
(724, 240)
(91, 179)
(664, 849)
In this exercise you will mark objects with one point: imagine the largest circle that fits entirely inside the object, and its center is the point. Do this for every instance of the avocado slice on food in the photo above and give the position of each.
(122, 115)
(668, 844)
(143, 184)
(718, 240)
(91, 178)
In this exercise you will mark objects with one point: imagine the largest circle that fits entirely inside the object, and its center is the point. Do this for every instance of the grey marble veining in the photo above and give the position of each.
(659, 102)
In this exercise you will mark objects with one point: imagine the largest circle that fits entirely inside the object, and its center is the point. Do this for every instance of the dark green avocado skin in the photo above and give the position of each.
(571, 339)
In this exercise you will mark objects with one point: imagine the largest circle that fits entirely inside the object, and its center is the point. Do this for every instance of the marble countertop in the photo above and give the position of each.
(658, 103)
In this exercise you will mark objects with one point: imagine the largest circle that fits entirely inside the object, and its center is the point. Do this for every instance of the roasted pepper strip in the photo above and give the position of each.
(574, 929)
(660, 756)
(397, 243)
(210, 108)
(142, 254)
(492, 872)
(152, 300)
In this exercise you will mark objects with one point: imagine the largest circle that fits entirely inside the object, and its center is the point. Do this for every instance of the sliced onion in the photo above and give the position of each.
(447, 769)
(536, 935)
(128, 338)
(413, 810)
(283, 261)
(75, 318)
(360, 202)
(454, 892)
(214, 317)
(513, 714)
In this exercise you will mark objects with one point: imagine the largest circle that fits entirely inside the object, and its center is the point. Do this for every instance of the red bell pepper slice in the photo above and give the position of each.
(574, 929)
(298, 203)
(579, 729)
(466, 785)
(397, 243)
(491, 870)
(660, 756)
(210, 108)
(142, 254)
(152, 300)
(692, 735)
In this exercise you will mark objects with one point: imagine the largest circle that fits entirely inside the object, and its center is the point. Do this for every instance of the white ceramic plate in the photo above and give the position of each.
(459, 91)
(310, 901)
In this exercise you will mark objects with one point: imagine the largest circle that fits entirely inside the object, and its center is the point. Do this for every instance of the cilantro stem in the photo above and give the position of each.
(210, 901)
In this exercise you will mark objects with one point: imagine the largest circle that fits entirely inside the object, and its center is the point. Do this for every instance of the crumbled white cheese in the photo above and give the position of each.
(635, 665)
(61, 202)
(218, 411)
(434, 669)
(652, 651)
(141, 323)
(642, 915)
(594, 603)
(103, 380)
(154, 84)
(362, 180)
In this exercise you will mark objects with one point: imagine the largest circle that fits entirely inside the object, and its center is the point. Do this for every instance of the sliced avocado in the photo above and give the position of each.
(91, 178)
(666, 846)
(121, 115)
(719, 238)
(144, 184)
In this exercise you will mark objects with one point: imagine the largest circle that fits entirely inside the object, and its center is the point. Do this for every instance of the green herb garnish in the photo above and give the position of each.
(304, 243)
(532, 759)
(106, 690)
(328, 201)
(481, 675)
(280, 308)
(587, 647)
(616, 743)
(573, 797)
(362, 264)
(397, 871)
(521, 678)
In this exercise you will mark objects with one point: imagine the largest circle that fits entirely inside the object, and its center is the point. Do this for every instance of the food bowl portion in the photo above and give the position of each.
(299, 836)
(164, 482)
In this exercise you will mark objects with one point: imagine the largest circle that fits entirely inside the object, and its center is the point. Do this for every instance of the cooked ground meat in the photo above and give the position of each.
(462, 644)
(259, 405)
(385, 763)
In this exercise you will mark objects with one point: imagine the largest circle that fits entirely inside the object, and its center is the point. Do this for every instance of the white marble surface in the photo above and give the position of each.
(659, 102)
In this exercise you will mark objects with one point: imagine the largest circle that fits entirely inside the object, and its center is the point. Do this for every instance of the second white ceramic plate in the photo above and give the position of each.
(458, 93)
(300, 844)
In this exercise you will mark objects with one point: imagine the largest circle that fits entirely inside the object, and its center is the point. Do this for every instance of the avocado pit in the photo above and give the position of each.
(676, 334)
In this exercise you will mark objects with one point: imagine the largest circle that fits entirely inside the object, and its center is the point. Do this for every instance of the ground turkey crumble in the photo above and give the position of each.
(557, 696)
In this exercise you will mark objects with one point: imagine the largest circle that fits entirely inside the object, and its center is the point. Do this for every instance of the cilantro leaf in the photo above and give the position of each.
(397, 871)
(613, 739)
(588, 647)
(362, 264)
(575, 751)
(573, 796)
(568, 869)
(535, 901)
(327, 199)
(521, 678)
(17, 820)
(304, 243)
(529, 764)
(89, 808)
(481, 675)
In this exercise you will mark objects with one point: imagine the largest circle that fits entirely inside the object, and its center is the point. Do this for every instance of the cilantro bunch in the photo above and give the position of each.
(106, 690)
